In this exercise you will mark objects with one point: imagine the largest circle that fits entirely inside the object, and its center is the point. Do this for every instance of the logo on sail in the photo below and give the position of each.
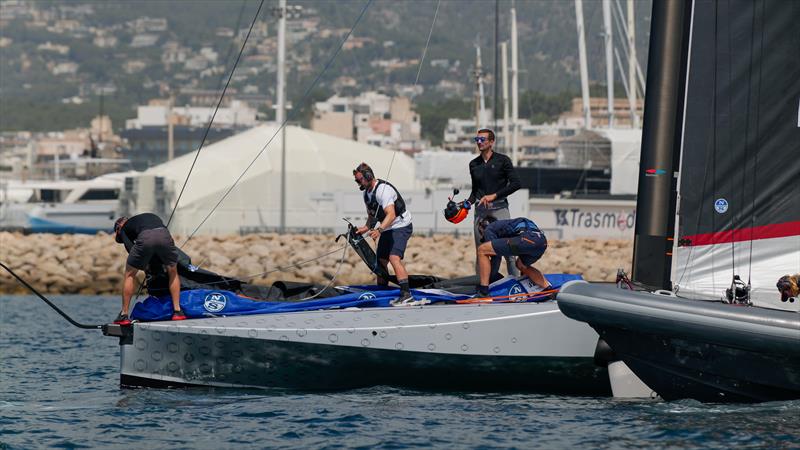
(367, 296)
(516, 289)
(215, 302)
(721, 205)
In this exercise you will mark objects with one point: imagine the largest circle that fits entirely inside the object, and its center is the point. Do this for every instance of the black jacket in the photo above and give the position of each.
(497, 176)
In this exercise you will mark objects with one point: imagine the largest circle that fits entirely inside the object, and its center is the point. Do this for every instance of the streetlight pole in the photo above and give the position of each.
(280, 113)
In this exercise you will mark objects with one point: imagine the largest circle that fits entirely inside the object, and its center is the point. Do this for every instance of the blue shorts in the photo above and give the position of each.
(393, 242)
(528, 246)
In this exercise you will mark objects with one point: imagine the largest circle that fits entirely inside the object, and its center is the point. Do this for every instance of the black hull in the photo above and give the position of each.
(707, 351)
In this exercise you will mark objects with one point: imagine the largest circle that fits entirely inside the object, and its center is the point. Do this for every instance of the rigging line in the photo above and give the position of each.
(49, 303)
(230, 46)
(277, 269)
(730, 143)
(757, 138)
(282, 125)
(333, 279)
(714, 138)
(419, 70)
(747, 126)
(211, 121)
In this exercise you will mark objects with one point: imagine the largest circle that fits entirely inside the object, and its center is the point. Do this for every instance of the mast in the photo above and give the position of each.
(632, 66)
(506, 131)
(514, 86)
(170, 129)
(609, 44)
(481, 100)
(661, 138)
(280, 113)
(587, 116)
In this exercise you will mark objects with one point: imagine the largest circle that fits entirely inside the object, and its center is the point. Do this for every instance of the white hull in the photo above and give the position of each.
(530, 346)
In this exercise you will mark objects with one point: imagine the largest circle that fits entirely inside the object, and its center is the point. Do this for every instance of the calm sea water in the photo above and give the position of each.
(59, 388)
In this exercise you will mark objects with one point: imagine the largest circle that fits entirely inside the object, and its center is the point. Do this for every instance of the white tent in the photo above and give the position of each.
(318, 168)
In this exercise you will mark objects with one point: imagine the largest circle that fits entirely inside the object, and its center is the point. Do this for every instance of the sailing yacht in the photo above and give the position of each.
(718, 210)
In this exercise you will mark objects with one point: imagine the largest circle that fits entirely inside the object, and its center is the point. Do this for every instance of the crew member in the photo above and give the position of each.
(520, 237)
(389, 223)
(789, 287)
(493, 180)
(144, 237)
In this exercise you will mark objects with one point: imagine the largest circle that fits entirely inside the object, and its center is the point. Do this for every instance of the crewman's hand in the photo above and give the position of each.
(374, 234)
(486, 199)
(362, 230)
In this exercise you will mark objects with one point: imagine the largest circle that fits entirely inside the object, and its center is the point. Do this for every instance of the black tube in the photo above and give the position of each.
(56, 308)
(661, 139)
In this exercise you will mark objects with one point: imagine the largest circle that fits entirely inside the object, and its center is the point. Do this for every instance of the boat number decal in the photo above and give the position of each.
(516, 289)
(367, 296)
(721, 205)
(215, 302)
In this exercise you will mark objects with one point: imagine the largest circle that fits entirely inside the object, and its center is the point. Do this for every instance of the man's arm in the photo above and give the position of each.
(513, 180)
(387, 221)
(473, 195)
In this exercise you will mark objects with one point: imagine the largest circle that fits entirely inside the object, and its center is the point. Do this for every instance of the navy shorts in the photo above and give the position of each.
(156, 241)
(528, 246)
(393, 242)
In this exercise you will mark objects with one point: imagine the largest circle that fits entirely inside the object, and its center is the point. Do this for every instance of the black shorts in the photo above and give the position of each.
(528, 246)
(393, 242)
(158, 242)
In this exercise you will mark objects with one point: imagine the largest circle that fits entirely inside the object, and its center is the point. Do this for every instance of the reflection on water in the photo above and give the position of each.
(59, 387)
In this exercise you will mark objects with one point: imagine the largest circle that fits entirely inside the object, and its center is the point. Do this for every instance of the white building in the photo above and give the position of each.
(239, 114)
(371, 118)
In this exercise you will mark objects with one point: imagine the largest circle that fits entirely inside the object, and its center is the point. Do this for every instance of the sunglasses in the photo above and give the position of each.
(480, 139)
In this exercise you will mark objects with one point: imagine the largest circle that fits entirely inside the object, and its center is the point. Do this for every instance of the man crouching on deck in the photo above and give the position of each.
(519, 237)
(387, 210)
(145, 236)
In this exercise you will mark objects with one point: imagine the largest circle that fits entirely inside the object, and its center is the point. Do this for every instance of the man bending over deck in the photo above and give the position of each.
(145, 236)
(519, 237)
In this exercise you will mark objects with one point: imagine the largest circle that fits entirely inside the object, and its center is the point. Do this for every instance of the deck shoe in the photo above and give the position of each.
(122, 319)
(178, 315)
(404, 299)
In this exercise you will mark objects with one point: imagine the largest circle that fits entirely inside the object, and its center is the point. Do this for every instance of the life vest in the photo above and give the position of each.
(374, 208)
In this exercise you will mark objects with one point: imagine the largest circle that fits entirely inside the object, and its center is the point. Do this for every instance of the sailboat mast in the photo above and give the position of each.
(632, 66)
(587, 116)
(514, 86)
(280, 113)
(661, 139)
(609, 44)
(506, 124)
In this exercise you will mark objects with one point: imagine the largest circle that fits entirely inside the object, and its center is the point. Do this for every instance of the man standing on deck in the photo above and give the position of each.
(386, 212)
(145, 236)
(493, 180)
(520, 237)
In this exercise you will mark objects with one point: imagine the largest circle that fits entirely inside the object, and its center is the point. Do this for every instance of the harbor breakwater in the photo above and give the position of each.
(83, 264)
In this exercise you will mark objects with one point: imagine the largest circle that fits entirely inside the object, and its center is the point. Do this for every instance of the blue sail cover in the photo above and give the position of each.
(199, 303)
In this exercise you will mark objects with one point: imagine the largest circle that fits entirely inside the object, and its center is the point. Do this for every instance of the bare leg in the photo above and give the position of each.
(485, 253)
(533, 273)
(399, 269)
(174, 287)
(128, 282)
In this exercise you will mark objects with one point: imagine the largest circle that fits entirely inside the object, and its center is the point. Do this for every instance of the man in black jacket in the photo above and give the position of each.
(493, 180)
(145, 236)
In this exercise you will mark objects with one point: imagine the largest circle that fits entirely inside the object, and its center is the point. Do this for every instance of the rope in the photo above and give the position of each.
(211, 121)
(282, 125)
(51, 304)
(338, 268)
(507, 298)
(419, 70)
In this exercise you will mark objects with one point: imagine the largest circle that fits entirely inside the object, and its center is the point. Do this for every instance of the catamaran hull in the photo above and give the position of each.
(708, 351)
(530, 347)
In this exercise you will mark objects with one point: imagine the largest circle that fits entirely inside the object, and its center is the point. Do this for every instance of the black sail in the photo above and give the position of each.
(739, 204)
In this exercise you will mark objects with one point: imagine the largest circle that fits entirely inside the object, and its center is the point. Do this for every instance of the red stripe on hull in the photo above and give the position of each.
(777, 230)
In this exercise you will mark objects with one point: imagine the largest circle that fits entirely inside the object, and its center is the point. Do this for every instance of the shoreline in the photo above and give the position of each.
(93, 264)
